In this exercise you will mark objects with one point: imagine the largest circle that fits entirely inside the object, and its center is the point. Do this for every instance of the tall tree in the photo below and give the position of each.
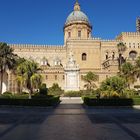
(121, 49)
(127, 72)
(137, 67)
(7, 61)
(90, 78)
(28, 73)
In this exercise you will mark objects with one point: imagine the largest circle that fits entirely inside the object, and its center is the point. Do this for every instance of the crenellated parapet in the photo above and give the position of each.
(131, 33)
(95, 39)
(30, 46)
(128, 34)
(109, 40)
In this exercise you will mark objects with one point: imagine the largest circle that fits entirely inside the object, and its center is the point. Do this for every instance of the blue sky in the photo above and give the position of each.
(41, 21)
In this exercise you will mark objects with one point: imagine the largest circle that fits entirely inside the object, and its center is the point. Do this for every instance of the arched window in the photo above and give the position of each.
(106, 55)
(79, 33)
(57, 61)
(44, 61)
(84, 57)
(133, 55)
(113, 55)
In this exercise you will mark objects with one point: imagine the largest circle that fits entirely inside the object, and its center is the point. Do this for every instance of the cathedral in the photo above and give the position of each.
(81, 53)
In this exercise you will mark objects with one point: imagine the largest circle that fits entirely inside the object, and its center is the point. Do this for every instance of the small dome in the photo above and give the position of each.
(77, 16)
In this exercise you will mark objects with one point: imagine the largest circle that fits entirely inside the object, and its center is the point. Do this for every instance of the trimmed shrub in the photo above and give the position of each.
(43, 90)
(136, 101)
(52, 101)
(55, 90)
(80, 93)
(15, 96)
(73, 94)
(111, 102)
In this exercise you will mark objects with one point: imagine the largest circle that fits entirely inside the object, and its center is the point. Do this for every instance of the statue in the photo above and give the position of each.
(71, 60)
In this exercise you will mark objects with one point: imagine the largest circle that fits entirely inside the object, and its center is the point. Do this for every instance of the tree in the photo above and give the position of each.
(127, 72)
(90, 78)
(137, 67)
(121, 49)
(7, 60)
(55, 89)
(115, 83)
(28, 76)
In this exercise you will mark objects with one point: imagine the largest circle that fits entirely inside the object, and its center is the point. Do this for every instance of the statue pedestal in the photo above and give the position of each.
(72, 79)
(72, 75)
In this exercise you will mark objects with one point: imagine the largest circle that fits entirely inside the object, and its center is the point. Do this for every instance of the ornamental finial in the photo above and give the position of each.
(77, 6)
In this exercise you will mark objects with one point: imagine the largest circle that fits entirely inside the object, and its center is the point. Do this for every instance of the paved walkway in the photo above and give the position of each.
(71, 100)
(69, 122)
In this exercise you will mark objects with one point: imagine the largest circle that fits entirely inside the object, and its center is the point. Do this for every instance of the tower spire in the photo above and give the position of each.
(138, 24)
(77, 6)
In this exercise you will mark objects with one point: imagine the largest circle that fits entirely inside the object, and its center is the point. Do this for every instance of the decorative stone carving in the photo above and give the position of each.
(71, 74)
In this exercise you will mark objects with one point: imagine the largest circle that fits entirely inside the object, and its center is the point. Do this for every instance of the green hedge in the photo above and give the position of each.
(52, 101)
(111, 102)
(79, 93)
(16, 96)
(136, 101)
(73, 94)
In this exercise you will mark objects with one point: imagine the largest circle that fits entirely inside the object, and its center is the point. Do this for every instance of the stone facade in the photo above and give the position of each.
(88, 54)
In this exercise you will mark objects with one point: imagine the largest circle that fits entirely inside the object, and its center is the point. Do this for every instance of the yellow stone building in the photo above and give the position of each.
(80, 54)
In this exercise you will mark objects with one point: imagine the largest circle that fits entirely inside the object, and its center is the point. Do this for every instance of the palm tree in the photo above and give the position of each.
(90, 78)
(20, 82)
(127, 72)
(36, 80)
(121, 49)
(137, 67)
(28, 75)
(7, 60)
(114, 83)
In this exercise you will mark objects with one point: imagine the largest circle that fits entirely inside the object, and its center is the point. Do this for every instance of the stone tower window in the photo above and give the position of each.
(69, 34)
(79, 33)
(84, 57)
(63, 77)
(134, 45)
(88, 34)
(46, 77)
(55, 77)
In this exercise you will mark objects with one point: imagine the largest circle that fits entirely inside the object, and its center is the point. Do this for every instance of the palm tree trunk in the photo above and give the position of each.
(30, 93)
(1, 82)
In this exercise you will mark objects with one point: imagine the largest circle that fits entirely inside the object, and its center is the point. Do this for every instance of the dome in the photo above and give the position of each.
(77, 16)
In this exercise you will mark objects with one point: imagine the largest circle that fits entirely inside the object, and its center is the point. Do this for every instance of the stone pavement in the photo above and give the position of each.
(71, 100)
(69, 122)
